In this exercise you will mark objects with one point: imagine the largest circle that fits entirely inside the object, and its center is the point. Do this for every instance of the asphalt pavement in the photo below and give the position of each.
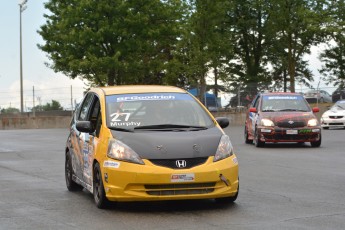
(282, 186)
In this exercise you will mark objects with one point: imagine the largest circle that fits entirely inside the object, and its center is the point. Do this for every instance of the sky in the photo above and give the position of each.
(47, 84)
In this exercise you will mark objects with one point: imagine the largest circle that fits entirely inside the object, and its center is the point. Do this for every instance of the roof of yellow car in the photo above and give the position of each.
(121, 89)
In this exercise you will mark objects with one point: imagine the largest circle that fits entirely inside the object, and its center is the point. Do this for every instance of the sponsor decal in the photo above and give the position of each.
(235, 160)
(129, 123)
(145, 98)
(283, 97)
(148, 97)
(182, 177)
(305, 131)
(111, 164)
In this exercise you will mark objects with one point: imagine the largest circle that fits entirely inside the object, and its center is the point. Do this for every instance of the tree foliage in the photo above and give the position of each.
(9, 110)
(297, 26)
(249, 45)
(111, 42)
(333, 57)
(252, 37)
(53, 106)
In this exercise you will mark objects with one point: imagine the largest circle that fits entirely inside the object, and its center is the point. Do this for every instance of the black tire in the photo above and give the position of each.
(316, 143)
(325, 127)
(98, 188)
(257, 141)
(70, 183)
(246, 139)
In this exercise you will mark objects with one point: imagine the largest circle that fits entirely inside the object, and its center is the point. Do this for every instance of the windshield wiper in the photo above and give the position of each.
(171, 127)
(299, 110)
(121, 129)
(269, 110)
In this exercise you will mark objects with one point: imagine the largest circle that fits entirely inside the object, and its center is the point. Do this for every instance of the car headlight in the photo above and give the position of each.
(224, 149)
(312, 122)
(267, 122)
(120, 151)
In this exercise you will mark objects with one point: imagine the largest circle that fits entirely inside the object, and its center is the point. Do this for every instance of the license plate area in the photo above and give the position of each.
(291, 131)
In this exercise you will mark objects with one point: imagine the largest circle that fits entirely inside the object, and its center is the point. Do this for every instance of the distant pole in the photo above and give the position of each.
(22, 7)
(33, 100)
(239, 96)
(71, 100)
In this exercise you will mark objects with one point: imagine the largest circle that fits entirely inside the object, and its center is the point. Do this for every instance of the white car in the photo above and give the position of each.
(335, 116)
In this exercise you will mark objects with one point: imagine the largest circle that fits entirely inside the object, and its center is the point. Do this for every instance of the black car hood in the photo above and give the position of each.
(171, 144)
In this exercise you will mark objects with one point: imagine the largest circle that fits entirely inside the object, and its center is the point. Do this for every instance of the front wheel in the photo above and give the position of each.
(316, 143)
(257, 141)
(98, 188)
(70, 183)
(246, 139)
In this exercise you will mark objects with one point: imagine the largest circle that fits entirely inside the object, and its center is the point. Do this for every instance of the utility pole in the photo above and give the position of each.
(33, 100)
(71, 100)
(22, 7)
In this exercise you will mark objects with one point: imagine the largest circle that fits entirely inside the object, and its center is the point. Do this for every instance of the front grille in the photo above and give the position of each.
(336, 123)
(179, 189)
(336, 117)
(171, 163)
(287, 137)
(294, 124)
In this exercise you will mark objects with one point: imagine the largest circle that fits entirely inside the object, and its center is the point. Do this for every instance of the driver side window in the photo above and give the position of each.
(256, 103)
(83, 115)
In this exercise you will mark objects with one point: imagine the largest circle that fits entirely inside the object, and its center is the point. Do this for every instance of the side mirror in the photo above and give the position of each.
(253, 110)
(223, 122)
(316, 110)
(84, 126)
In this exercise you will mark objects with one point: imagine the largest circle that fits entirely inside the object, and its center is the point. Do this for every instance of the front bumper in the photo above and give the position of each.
(277, 134)
(133, 182)
(327, 122)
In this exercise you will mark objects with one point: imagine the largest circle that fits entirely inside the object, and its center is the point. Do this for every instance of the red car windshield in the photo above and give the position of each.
(275, 103)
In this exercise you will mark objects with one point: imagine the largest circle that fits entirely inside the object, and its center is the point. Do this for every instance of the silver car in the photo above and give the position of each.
(317, 96)
(335, 116)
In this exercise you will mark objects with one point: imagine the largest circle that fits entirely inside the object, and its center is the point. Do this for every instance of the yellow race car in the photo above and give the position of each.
(146, 143)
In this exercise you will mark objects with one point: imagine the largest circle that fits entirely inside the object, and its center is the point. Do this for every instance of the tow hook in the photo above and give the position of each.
(224, 180)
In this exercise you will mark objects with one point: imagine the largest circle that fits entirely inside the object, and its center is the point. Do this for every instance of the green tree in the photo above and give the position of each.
(53, 106)
(252, 38)
(10, 110)
(111, 41)
(297, 25)
(202, 46)
(333, 57)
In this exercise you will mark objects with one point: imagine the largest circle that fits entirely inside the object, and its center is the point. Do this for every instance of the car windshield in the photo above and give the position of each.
(127, 112)
(275, 103)
(339, 105)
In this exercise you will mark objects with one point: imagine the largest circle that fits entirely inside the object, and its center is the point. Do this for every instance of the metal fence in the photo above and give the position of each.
(66, 96)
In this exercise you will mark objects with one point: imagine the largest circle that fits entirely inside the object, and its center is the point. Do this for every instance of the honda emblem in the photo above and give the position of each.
(181, 163)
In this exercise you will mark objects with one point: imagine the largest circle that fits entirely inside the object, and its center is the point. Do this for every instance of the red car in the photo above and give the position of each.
(281, 117)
